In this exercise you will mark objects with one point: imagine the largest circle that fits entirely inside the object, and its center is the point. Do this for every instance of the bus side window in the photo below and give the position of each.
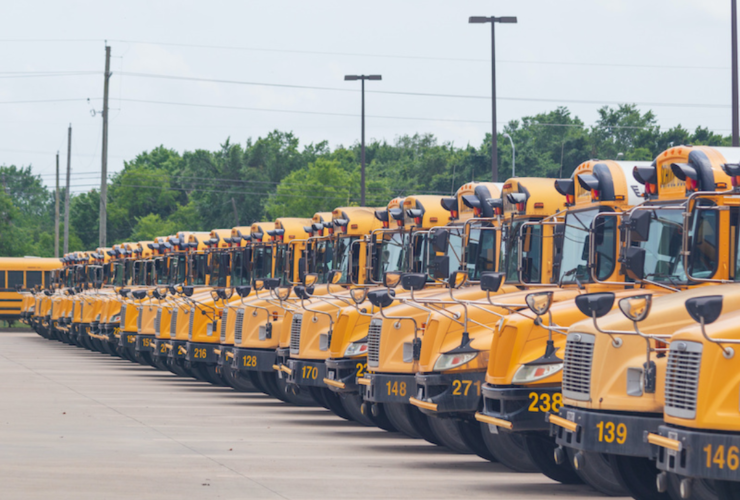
(2, 279)
(33, 278)
(15, 278)
(47, 278)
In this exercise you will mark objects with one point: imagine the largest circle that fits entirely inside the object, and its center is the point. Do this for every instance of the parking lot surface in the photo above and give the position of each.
(81, 425)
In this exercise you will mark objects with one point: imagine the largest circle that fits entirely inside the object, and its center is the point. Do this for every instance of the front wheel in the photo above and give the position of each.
(470, 433)
(595, 470)
(235, 380)
(352, 404)
(703, 489)
(541, 451)
(508, 449)
(638, 476)
(448, 434)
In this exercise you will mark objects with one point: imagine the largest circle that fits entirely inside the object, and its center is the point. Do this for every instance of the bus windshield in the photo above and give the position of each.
(390, 254)
(262, 262)
(323, 259)
(118, 274)
(574, 265)
(199, 263)
(159, 271)
(480, 251)
(531, 258)
(343, 248)
(240, 267)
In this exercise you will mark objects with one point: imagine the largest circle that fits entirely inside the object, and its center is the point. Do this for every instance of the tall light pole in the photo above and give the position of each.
(362, 78)
(735, 120)
(494, 142)
(513, 155)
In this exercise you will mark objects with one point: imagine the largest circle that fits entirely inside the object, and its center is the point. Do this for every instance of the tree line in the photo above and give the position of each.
(162, 191)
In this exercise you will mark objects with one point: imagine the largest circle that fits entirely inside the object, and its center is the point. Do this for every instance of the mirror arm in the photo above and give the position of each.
(727, 351)
(331, 316)
(369, 315)
(400, 318)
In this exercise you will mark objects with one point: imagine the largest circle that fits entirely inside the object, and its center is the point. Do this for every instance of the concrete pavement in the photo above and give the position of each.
(81, 425)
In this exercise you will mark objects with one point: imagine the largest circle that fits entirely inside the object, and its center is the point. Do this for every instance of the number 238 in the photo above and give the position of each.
(544, 402)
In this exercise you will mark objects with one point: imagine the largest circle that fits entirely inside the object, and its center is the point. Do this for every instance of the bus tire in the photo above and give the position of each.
(638, 476)
(541, 450)
(352, 404)
(508, 449)
(596, 472)
(471, 434)
(447, 433)
(727, 490)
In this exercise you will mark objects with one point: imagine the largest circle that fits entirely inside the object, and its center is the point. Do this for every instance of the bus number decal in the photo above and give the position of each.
(199, 353)
(250, 361)
(145, 342)
(462, 387)
(311, 372)
(719, 458)
(607, 432)
(361, 369)
(396, 388)
(544, 402)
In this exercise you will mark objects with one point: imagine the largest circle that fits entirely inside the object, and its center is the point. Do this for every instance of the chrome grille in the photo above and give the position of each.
(123, 315)
(72, 314)
(139, 314)
(295, 334)
(173, 324)
(373, 342)
(223, 325)
(238, 326)
(579, 352)
(192, 321)
(682, 379)
(157, 321)
(82, 306)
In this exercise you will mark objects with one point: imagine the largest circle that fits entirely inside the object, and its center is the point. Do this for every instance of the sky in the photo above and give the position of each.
(184, 72)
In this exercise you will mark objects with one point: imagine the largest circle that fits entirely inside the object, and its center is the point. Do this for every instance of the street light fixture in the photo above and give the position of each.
(494, 142)
(513, 155)
(351, 78)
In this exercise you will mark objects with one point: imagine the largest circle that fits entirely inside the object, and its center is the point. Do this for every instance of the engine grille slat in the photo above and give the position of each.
(223, 325)
(295, 334)
(682, 379)
(238, 326)
(577, 360)
(157, 322)
(173, 324)
(191, 323)
(123, 316)
(373, 342)
(140, 311)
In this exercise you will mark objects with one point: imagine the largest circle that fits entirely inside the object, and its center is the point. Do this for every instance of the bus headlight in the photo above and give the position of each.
(532, 373)
(355, 349)
(116, 319)
(449, 361)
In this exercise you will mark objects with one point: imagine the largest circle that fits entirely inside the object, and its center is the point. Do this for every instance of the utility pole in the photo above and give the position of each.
(362, 78)
(103, 229)
(66, 193)
(56, 214)
(735, 119)
(236, 214)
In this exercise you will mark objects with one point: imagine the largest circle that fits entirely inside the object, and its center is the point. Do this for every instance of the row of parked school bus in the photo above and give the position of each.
(584, 328)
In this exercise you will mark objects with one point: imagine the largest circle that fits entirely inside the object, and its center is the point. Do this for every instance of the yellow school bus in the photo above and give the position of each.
(22, 274)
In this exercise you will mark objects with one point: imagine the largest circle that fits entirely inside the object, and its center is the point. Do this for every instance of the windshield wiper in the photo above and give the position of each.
(670, 277)
(571, 272)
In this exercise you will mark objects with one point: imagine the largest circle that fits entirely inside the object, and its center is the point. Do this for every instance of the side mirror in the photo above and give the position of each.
(539, 302)
(634, 263)
(491, 281)
(358, 295)
(156, 294)
(163, 292)
(381, 298)
(457, 279)
(440, 268)
(705, 310)
(139, 294)
(440, 240)
(310, 279)
(227, 293)
(283, 292)
(243, 291)
(172, 289)
(47, 293)
(637, 307)
(334, 277)
(595, 305)
(391, 279)
(258, 285)
(638, 225)
(215, 295)
(303, 292)
(188, 291)
(123, 292)
(413, 281)
(271, 283)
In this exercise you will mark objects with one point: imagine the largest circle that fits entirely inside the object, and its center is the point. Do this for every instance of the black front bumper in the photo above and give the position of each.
(128, 341)
(159, 347)
(523, 407)
(306, 373)
(254, 360)
(202, 353)
(343, 374)
(144, 343)
(703, 454)
(451, 392)
(610, 433)
(388, 387)
(225, 356)
(179, 349)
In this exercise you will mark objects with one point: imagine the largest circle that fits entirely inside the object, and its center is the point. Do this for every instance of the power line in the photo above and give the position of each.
(383, 56)
(418, 94)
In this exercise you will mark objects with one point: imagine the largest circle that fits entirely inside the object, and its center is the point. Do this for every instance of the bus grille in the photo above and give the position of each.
(82, 308)
(682, 379)
(140, 313)
(238, 326)
(223, 325)
(157, 321)
(173, 324)
(192, 321)
(123, 316)
(579, 351)
(295, 334)
(373, 342)
(72, 314)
